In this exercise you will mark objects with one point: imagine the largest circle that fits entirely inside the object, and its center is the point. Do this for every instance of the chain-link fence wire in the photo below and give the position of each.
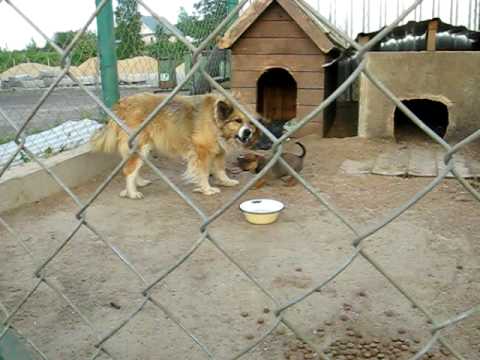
(67, 118)
(149, 57)
(281, 315)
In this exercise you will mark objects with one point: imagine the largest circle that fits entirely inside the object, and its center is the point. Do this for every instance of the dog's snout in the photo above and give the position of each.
(247, 133)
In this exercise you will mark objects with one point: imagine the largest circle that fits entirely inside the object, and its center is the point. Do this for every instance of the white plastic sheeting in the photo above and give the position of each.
(68, 135)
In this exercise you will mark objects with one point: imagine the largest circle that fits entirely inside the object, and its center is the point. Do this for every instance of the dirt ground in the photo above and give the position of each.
(432, 251)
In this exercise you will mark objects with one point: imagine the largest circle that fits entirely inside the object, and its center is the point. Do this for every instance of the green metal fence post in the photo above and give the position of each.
(231, 5)
(107, 54)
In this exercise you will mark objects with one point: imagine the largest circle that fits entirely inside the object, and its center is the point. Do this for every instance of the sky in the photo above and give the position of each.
(63, 15)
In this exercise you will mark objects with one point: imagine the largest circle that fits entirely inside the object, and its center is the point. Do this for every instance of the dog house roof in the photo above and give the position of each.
(297, 9)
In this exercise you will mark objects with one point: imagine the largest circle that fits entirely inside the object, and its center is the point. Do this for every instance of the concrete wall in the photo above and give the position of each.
(452, 78)
(28, 183)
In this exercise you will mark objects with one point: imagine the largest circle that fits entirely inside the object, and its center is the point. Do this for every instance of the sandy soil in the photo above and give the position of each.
(432, 251)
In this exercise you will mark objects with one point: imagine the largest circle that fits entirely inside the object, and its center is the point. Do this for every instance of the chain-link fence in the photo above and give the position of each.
(150, 59)
(84, 222)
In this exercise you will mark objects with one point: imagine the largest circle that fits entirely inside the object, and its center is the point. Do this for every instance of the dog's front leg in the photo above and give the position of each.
(198, 172)
(218, 168)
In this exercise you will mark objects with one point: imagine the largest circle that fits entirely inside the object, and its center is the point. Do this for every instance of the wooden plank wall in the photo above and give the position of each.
(275, 40)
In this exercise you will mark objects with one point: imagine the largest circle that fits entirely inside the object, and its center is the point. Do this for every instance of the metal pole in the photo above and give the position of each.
(352, 34)
(385, 18)
(369, 15)
(380, 15)
(107, 54)
(476, 16)
(456, 12)
(364, 15)
(335, 12)
(451, 11)
(470, 7)
(231, 5)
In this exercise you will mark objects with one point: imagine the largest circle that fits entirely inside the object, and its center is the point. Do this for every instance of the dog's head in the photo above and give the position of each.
(233, 124)
(275, 127)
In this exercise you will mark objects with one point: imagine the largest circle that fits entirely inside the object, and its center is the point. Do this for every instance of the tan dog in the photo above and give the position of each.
(255, 163)
(194, 128)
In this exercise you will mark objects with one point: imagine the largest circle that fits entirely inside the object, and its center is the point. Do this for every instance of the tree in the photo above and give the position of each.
(85, 48)
(128, 31)
(209, 14)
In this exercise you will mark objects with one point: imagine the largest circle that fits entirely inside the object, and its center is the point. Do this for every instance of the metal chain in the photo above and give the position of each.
(280, 312)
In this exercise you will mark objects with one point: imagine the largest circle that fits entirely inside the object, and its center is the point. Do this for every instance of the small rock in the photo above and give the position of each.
(344, 317)
(244, 314)
(459, 267)
(266, 310)
(114, 305)
(260, 321)
(328, 323)
(402, 331)
(362, 293)
(298, 269)
(389, 313)
(445, 351)
(250, 337)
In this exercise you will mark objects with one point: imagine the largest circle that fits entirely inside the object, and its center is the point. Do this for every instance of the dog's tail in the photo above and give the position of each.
(304, 151)
(105, 140)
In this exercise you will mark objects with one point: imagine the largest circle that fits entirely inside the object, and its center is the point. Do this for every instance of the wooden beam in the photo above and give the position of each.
(432, 35)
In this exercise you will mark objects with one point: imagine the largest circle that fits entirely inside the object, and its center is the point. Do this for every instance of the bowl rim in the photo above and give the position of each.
(262, 213)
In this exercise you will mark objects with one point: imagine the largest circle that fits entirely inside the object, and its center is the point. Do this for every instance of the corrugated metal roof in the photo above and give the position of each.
(413, 37)
(409, 37)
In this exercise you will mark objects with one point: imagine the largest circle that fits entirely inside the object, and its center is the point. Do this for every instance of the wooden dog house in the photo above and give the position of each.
(278, 53)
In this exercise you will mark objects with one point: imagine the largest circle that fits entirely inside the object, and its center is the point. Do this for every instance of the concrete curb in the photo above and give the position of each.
(28, 183)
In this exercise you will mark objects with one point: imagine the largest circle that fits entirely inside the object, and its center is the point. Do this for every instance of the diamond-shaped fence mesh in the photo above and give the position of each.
(153, 59)
(195, 47)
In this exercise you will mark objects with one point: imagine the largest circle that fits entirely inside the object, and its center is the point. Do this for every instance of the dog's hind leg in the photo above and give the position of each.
(131, 171)
(218, 169)
(140, 181)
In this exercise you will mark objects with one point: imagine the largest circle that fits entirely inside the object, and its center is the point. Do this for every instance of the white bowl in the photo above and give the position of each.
(261, 211)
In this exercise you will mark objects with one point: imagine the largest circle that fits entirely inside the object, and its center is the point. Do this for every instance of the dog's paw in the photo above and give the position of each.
(136, 195)
(229, 182)
(143, 182)
(207, 191)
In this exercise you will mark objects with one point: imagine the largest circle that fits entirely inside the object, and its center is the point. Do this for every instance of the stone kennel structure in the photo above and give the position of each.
(434, 68)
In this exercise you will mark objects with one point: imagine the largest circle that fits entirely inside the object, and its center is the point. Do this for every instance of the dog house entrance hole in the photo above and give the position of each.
(277, 95)
(433, 113)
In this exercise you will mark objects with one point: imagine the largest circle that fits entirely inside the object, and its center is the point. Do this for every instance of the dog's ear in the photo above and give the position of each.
(223, 110)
